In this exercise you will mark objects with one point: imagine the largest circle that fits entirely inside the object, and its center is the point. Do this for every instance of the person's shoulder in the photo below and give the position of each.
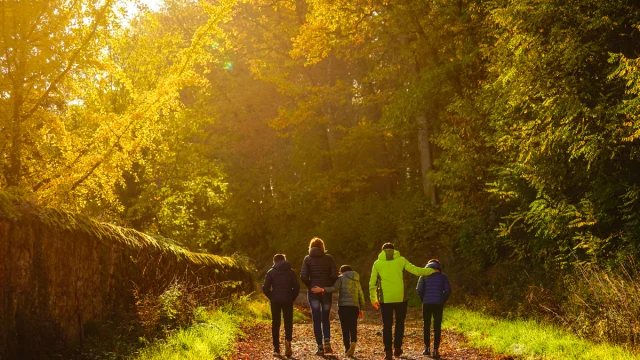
(327, 255)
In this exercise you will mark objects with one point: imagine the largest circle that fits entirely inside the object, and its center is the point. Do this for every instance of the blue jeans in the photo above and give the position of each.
(320, 309)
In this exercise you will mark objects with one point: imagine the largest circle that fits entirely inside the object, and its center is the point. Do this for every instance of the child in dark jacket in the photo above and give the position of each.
(350, 305)
(281, 287)
(434, 291)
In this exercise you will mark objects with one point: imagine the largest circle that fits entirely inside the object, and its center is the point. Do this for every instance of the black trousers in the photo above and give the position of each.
(286, 309)
(349, 324)
(388, 310)
(435, 310)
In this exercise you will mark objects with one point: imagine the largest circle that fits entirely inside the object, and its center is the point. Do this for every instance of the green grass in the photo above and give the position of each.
(528, 339)
(215, 333)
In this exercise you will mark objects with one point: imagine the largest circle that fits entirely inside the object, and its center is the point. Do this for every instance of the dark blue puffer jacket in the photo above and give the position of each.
(281, 283)
(434, 289)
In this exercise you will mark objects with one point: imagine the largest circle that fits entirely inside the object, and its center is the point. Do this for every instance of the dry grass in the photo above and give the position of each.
(604, 305)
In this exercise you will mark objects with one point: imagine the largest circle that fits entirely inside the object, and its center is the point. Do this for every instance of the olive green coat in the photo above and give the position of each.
(349, 290)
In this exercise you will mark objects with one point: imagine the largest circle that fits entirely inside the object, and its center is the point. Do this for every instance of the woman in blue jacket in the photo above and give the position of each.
(434, 291)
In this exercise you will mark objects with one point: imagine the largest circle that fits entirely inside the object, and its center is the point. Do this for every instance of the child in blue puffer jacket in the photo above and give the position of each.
(434, 291)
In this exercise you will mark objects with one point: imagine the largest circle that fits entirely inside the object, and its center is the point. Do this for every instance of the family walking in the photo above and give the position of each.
(387, 293)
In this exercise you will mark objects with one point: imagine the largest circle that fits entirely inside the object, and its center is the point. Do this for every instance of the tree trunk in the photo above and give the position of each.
(426, 158)
(15, 155)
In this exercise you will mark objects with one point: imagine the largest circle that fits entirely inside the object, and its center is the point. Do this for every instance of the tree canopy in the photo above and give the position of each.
(484, 133)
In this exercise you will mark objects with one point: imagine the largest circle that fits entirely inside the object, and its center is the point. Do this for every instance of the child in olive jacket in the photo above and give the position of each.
(282, 288)
(434, 291)
(350, 305)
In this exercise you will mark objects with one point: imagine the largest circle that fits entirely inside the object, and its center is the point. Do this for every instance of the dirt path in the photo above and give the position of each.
(256, 344)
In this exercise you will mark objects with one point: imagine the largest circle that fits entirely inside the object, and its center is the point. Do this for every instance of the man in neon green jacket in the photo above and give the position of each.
(387, 280)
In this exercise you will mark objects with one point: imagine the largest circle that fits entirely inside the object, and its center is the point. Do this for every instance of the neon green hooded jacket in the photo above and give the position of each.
(386, 276)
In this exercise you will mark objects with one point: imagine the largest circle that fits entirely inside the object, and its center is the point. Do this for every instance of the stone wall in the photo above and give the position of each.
(59, 271)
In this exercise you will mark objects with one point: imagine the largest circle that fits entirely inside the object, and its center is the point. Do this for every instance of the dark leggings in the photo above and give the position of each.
(286, 308)
(349, 324)
(434, 310)
(387, 310)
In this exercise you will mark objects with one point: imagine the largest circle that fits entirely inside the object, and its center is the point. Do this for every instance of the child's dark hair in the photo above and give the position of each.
(279, 257)
(388, 246)
(433, 261)
(345, 268)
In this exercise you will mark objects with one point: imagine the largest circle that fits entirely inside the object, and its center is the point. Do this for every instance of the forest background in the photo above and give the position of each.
(498, 136)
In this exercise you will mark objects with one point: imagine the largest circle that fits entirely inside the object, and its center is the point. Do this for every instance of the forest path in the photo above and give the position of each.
(256, 344)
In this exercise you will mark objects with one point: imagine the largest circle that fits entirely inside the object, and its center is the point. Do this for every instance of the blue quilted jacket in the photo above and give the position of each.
(434, 289)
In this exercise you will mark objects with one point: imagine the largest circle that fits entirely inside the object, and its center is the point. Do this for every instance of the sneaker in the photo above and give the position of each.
(327, 348)
(352, 350)
(287, 349)
(427, 351)
(436, 355)
(320, 351)
(276, 353)
(388, 355)
(397, 352)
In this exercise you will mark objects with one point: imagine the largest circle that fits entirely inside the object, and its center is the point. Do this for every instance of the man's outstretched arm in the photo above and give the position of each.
(418, 271)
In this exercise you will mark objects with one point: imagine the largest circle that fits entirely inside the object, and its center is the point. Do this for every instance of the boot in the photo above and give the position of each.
(320, 350)
(352, 350)
(388, 355)
(427, 351)
(287, 348)
(398, 352)
(327, 347)
(436, 355)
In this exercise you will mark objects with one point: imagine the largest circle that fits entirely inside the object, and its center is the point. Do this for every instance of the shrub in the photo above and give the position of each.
(603, 304)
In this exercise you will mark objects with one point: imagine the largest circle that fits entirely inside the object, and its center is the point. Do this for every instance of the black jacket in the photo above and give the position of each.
(281, 283)
(318, 269)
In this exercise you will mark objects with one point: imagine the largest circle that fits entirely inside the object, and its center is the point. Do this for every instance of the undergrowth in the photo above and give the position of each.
(214, 333)
(529, 339)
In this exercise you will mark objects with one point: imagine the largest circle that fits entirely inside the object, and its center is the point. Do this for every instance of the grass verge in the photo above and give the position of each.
(528, 339)
(215, 333)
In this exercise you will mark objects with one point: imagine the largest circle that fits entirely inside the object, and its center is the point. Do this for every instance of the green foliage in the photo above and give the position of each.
(213, 337)
(215, 332)
(254, 126)
(528, 339)
(14, 208)
(168, 301)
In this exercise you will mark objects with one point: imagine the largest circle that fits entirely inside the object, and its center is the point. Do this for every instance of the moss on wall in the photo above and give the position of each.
(60, 270)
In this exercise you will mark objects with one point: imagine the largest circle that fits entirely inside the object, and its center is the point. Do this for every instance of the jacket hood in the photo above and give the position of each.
(389, 254)
(433, 265)
(315, 252)
(282, 265)
(351, 275)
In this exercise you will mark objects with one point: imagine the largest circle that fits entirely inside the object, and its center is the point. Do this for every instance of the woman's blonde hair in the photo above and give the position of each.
(316, 242)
